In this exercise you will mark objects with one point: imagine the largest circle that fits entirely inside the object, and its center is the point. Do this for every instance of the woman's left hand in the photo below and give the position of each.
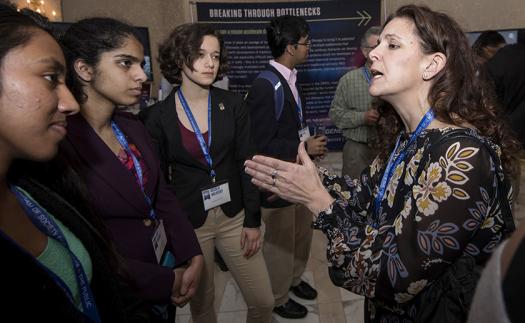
(297, 183)
(190, 281)
(250, 241)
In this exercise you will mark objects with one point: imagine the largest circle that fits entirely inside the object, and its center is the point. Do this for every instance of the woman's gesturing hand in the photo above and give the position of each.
(297, 183)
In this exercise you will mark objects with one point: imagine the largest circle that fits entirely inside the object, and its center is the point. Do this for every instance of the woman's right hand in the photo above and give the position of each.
(297, 183)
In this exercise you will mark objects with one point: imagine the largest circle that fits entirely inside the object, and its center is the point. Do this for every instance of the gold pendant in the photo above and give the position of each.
(221, 106)
(147, 222)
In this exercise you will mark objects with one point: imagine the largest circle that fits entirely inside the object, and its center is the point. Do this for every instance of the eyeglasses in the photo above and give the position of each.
(308, 43)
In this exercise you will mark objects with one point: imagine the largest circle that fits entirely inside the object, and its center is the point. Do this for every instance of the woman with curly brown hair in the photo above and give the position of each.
(203, 137)
(413, 231)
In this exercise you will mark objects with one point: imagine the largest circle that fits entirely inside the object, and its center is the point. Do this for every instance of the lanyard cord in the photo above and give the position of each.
(196, 130)
(395, 159)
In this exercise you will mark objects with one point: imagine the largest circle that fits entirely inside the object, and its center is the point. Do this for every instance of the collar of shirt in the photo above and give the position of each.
(289, 75)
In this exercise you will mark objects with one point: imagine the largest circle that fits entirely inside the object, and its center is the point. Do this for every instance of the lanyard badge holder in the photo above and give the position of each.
(217, 193)
(304, 132)
(159, 239)
(43, 221)
(394, 160)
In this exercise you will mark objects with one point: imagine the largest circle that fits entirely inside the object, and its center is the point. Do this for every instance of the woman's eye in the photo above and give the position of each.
(215, 57)
(125, 63)
(52, 78)
(393, 46)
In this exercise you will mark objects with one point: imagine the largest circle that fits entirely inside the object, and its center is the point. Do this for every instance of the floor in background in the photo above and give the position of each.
(333, 304)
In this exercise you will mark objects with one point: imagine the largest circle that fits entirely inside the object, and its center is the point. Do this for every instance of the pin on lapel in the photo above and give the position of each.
(221, 106)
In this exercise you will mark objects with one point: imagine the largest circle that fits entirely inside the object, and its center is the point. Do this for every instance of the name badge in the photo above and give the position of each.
(159, 240)
(215, 195)
(304, 134)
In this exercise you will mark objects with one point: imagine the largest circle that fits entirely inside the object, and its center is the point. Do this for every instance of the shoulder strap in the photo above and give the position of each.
(278, 90)
(502, 193)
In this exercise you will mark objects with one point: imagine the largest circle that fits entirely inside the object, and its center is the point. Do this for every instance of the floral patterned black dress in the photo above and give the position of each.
(445, 200)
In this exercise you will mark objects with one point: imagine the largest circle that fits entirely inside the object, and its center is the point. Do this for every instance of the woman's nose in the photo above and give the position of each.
(66, 101)
(373, 54)
(140, 75)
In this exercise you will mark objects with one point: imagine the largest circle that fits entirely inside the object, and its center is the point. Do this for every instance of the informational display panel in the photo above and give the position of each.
(336, 28)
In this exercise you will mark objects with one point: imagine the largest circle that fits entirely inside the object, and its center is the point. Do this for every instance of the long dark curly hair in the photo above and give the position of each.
(458, 96)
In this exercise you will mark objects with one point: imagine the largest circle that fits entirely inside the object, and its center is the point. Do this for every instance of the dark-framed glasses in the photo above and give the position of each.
(307, 43)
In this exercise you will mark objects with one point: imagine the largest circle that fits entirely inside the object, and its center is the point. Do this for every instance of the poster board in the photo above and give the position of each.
(336, 28)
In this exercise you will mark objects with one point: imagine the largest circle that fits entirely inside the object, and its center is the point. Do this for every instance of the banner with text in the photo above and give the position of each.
(336, 28)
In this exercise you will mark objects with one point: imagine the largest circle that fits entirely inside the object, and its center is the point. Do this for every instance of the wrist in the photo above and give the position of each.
(321, 201)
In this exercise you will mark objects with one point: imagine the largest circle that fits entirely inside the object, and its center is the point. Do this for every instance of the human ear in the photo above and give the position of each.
(435, 62)
(83, 70)
(291, 49)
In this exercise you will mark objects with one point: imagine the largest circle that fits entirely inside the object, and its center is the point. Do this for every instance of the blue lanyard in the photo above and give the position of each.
(394, 161)
(45, 223)
(197, 131)
(124, 143)
(366, 74)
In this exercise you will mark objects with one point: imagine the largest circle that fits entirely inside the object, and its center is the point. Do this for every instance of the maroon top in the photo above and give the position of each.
(191, 144)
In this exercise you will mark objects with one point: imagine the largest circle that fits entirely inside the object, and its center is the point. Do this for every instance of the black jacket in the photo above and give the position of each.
(275, 138)
(30, 295)
(231, 145)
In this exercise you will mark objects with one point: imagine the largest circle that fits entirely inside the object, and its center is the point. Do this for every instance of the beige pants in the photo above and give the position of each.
(287, 242)
(224, 233)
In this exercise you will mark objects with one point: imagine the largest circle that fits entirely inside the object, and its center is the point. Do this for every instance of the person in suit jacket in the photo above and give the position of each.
(57, 263)
(203, 136)
(111, 149)
(279, 137)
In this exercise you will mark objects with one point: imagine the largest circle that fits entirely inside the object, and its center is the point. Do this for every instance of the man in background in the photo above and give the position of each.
(278, 126)
(353, 113)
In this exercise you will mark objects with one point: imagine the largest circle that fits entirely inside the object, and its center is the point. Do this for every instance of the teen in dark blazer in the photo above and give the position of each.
(288, 234)
(274, 137)
(197, 164)
(229, 149)
(111, 150)
(118, 199)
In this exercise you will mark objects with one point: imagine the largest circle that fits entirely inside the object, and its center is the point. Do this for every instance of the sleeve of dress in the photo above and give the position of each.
(352, 195)
(449, 210)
